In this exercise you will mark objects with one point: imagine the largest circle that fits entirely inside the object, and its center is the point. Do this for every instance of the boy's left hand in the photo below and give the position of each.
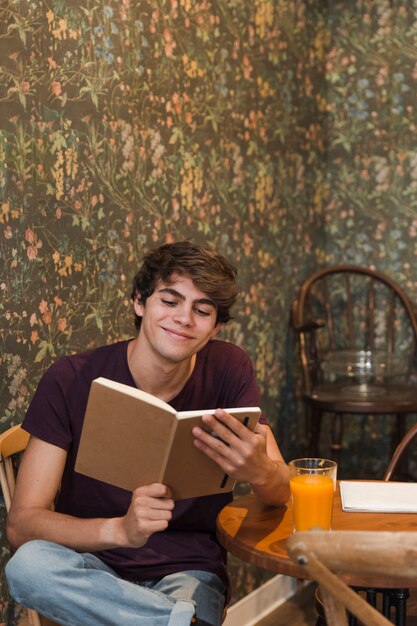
(241, 453)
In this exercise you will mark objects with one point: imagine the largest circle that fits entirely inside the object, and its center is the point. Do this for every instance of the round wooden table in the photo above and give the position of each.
(256, 533)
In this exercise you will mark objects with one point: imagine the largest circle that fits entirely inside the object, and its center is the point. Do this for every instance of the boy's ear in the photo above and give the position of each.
(216, 329)
(137, 305)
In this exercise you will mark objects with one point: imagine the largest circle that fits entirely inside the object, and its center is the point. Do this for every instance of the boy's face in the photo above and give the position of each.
(177, 319)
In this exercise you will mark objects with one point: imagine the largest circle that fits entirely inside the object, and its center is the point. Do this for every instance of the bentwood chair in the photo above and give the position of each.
(12, 443)
(329, 559)
(357, 337)
(398, 457)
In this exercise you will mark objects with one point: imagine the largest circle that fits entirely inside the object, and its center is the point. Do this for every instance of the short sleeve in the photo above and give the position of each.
(246, 388)
(49, 413)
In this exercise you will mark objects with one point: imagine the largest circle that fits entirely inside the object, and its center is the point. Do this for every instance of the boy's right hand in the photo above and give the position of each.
(150, 511)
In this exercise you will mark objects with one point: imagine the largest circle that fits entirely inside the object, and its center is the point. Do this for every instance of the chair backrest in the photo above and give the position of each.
(12, 441)
(328, 556)
(400, 452)
(352, 308)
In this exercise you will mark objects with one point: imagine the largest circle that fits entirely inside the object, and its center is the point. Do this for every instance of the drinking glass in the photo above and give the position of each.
(313, 483)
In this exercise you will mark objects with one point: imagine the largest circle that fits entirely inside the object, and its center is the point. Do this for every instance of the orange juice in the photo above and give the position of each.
(312, 501)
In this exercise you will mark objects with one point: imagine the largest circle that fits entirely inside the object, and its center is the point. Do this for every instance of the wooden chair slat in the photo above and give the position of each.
(329, 316)
(391, 324)
(9, 469)
(13, 440)
(371, 316)
(5, 487)
(349, 312)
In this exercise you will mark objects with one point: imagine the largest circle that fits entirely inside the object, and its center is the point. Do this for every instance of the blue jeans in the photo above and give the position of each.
(76, 589)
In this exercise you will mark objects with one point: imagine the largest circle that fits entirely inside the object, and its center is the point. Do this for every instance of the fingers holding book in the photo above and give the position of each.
(228, 442)
(150, 511)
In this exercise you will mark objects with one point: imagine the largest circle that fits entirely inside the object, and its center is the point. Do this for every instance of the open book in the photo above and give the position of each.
(378, 496)
(131, 438)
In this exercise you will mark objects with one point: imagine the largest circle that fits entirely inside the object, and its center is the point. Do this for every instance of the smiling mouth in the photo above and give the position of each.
(177, 333)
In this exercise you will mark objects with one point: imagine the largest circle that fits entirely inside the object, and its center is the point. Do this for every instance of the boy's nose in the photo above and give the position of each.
(183, 315)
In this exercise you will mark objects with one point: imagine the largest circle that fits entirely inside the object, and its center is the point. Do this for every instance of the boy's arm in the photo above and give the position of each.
(273, 486)
(244, 455)
(31, 515)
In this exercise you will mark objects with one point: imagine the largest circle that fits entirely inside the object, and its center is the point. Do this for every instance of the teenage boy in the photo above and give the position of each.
(105, 556)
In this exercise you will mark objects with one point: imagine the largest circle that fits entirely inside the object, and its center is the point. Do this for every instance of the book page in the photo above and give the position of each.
(379, 496)
(134, 392)
(235, 411)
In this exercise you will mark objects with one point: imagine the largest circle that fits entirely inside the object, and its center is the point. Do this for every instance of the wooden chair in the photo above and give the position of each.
(12, 442)
(347, 312)
(330, 557)
(398, 457)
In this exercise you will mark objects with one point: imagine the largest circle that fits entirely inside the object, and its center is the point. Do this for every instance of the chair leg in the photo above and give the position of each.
(371, 596)
(337, 434)
(352, 620)
(400, 428)
(321, 616)
(315, 417)
(401, 597)
(395, 599)
(398, 434)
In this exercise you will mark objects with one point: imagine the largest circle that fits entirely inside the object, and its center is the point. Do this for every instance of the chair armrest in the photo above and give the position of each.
(308, 326)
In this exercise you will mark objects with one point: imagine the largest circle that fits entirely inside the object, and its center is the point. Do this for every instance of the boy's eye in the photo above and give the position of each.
(197, 310)
(202, 312)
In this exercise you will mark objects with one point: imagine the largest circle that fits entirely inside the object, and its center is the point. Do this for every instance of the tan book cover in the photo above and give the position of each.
(131, 438)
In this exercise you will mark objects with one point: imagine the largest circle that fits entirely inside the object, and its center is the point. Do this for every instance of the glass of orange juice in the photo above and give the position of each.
(313, 483)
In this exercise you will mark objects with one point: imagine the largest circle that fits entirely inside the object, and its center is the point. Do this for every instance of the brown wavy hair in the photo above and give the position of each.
(210, 272)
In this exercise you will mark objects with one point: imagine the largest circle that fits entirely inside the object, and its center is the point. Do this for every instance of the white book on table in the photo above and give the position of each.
(378, 496)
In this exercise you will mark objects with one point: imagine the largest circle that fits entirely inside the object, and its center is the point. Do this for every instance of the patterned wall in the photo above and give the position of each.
(371, 213)
(371, 76)
(282, 132)
(128, 124)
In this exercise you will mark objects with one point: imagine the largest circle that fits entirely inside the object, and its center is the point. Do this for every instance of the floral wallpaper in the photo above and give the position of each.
(128, 124)
(370, 214)
(280, 132)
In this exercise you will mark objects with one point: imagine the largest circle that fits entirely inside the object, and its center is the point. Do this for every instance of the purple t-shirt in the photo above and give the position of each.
(222, 377)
